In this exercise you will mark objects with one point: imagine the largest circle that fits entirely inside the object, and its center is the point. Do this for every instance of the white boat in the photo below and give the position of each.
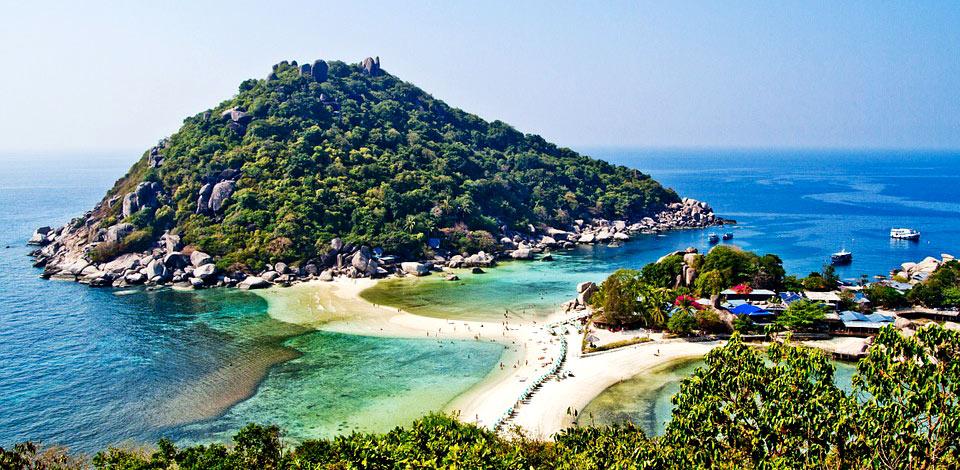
(841, 257)
(904, 234)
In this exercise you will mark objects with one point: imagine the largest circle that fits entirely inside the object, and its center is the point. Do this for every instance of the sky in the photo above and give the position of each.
(117, 76)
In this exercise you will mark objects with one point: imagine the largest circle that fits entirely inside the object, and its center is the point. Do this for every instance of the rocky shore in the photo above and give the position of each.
(70, 252)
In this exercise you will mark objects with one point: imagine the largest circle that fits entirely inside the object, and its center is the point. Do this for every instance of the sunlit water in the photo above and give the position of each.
(89, 367)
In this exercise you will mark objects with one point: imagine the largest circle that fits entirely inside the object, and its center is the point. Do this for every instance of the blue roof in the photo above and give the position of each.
(434, 243)
(790, 297)
(879, 318)
(747, 309)
(849, 315)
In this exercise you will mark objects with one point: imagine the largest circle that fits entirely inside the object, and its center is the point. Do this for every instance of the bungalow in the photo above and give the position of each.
(829, 298)
(858, 324)
(757, 314)
(754, 294)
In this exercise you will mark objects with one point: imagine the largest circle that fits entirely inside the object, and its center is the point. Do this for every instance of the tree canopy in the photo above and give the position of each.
(369, 158)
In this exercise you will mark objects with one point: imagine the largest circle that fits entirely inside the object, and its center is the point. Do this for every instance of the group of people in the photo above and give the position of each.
(528, 392)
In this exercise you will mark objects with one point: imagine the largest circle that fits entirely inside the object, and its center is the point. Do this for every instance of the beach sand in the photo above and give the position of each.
(530, 348)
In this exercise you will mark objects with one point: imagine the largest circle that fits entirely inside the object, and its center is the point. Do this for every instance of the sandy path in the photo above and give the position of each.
(529, 350)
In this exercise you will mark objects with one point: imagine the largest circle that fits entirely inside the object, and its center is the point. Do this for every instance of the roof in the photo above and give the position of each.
(790, 297)
(757, 292)
(747, 309)
(822, 296)
(875, 321)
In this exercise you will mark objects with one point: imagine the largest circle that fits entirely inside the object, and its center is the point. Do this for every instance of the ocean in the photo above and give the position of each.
(90, 367)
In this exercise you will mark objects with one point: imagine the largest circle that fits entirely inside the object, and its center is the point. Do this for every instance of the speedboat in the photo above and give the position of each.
(728, 236)
(713, 238)
(841, 257)
(904, 234)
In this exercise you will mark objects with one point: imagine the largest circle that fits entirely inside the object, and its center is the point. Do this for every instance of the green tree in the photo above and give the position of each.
(801, 314)
(710, 283)
(778, 409)
(682, 321)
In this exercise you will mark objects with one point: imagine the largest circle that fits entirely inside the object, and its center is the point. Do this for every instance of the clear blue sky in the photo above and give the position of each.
(91, 76)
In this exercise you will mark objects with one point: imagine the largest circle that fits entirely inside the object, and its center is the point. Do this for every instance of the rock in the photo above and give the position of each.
(584, 296)
(319, 70)
(586, 238)
(902, 323)
(621, 236)
(199, 258)
(336, 244)
(129, 205)
(311, 269)
(479, 259)
(236, 115)
(547, 257)
(196, 283)
(170, 242)
(220, 193)
(690, 258)
(477, 270)
(116, 233)
(156, 269)
(371, 66)
(456, 261)
(253, 282)
(203, 198)
(452, 277)
(417, 269)
(205, 271)
(689, 275)
(270, 276)
(549, 241)
(281, 268)
(125, 262)
(326, 275)
(40, 236)
(522, 253)
(135, 278)
(176, 260)
(620, 225)
(584, 286)
(604, 236)
(306, 70)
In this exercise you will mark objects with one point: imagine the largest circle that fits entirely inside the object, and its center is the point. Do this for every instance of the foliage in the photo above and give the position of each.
(682, 321)
(664, 272)
(740, 409)
(376, 161)
(736, 266)
(709, 283)
(801, 314)
(885, 296)
(941, 289)
(746, 408)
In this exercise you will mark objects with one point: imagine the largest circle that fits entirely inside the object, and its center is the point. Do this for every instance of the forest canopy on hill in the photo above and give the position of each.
(314, 152)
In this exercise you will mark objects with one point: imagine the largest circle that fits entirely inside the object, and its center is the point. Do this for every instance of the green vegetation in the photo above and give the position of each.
(801, 315)
(734, 266)
(746, 408)
(371, 159)
(941, 289)
(885, 296)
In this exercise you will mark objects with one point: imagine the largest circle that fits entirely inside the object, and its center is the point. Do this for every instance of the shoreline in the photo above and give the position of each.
(529, 350)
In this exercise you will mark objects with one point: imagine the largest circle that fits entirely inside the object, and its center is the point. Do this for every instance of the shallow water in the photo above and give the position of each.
(645, 399)
(88, 367)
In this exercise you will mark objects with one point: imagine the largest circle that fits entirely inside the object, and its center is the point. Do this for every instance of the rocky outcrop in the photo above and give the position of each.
(219, 195)
(414, 268)
(319, 70)
(371, 66)
(147, 194)
(236, 119)
(116, 233)
(253, 282)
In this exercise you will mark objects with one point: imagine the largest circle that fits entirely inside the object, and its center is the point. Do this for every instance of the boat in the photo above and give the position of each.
(728, 236)
(904, 234)
(841, 257)
(713, 238)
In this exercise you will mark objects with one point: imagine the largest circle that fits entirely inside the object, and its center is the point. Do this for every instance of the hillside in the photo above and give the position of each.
(318, 151)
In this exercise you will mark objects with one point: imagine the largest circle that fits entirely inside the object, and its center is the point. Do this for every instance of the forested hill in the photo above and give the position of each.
(329, 149)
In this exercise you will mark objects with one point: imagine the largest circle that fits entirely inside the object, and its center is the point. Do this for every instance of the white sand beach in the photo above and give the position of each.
(530, 349)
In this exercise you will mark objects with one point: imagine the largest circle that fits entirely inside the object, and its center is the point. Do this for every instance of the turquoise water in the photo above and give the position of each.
(90, 367)
(87, 367)
(645, 400)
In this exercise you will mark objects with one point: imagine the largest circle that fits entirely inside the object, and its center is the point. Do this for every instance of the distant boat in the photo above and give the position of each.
(841, 257)
(728, 236)
(713, 238)
(904, 234)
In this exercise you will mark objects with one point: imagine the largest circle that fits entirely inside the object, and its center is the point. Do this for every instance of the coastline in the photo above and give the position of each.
(529, 349)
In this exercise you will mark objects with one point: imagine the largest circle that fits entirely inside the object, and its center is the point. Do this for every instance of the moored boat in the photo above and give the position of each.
(728, 236)
(904, 234)
(713, 238)
(841, 257)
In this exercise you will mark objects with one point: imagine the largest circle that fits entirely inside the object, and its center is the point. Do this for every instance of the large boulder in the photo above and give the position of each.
(156, 270)
(522, 253)
(205, 271)
(176, 260)
(116, 233)
(40, 236)
(203, 198)
(584, 295)
(270, 276)
(253, 282)
(417, 269)
(336, 244)
(219, 195)
(319, 70)
(371, 66)
(125, 262)
(170, 242)
(586, 238)
(199, 258)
